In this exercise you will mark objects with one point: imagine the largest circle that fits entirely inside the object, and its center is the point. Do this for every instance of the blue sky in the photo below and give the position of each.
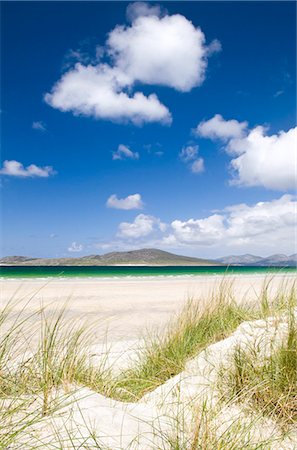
(200, 161)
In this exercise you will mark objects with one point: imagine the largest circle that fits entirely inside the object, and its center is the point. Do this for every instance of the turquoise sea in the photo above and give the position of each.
(134, 271)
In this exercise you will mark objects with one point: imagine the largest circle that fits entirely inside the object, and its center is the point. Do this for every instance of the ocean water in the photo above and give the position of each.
(134, 271)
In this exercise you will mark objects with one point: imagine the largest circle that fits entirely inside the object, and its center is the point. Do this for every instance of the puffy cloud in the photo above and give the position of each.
(262, 219)
(142, 9)
(154, 50)
(130, 202)
(202, 231)
(175, 52)
(189, 154)
(264, 227)
(265, 160)
(16, 169)
(214, 47)
(124, 152)
(75, 247)
(197, 166)
(260, 225)
(142, 226)
(219, 128)
(39, 125)
(258, 159)
(97, 91)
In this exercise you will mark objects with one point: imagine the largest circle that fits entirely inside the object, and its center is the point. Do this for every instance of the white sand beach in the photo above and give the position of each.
(124, 308)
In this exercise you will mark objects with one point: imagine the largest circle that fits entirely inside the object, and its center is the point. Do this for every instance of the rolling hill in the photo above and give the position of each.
(252, 260)
(147, 256)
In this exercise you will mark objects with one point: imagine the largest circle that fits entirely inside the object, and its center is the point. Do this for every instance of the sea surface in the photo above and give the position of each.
(135, 271)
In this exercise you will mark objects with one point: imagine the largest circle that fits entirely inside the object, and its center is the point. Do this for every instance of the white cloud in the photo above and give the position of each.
(197, 166)
(278, 93)
(219, 128)
(153, 50)
(266, 225)
(39, 125)
(175, 51)
(142, 226)
(189, 154)
(97, 91)
(262, 228)
(16, 169)
(214, 47)
(268, 161)
(130, 202)
(202, 231)
(258, 159)
(75, 247)
(138, 9)
(124, 152)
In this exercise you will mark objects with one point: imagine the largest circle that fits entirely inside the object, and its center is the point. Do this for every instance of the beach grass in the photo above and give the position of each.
(199, 324)
(27, 382)
(195, 327)
(269, 386)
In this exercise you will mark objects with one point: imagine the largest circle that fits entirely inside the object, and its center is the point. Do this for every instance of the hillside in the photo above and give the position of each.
(147, 256)
(252, 260)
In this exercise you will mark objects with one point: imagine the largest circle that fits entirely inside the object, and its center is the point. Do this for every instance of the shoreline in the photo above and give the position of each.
(240, 271)
(162, 277)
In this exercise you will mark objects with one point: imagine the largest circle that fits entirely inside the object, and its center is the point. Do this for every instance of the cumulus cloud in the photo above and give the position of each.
(268, 161)
(175, 51)
(16, 169)
(202, 231)
(259, 225)
(257, 159)
(189, 154)
(219, 128)
(75, 247)
(142, 9)
(124, 152)
(197, 166)
(264, 227)
(153, 50)
(96, 91)
(143, 225)
(130, 202)
(214, 47)
(39, 125)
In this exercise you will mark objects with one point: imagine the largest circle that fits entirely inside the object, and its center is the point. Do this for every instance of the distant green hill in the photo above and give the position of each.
(146, 256)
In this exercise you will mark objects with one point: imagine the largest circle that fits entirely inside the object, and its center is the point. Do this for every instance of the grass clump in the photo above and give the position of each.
(270, 385)
(60, 355)
(61, 360)
(198, 325)
(165, 355)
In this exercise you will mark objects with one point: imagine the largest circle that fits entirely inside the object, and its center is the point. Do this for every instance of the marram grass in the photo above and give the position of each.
(269, 386)
(61, 360)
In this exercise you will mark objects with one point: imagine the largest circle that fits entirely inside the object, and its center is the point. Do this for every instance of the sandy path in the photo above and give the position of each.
(126, 307)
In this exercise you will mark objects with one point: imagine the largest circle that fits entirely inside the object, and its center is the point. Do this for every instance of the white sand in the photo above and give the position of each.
(126, 307)
(173, 410)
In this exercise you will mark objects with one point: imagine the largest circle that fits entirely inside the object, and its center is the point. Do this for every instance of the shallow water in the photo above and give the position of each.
(135, 271)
